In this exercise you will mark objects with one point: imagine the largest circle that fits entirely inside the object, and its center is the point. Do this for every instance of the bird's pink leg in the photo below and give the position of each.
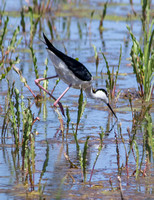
(57, 101)
(50, 94)
(40, 86)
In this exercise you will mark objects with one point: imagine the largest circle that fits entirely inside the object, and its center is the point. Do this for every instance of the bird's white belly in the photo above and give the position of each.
(67, 75)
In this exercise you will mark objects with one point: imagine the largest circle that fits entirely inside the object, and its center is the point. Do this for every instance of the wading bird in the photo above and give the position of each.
(73, 73)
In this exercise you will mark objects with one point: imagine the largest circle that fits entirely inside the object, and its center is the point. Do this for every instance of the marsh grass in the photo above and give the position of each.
(111, 81)
(4, 31)
(2, 9)
(16, 111)
(7, 61)
(133, 150)
(22, 22)
(41, 187)
(103, 17)
(33, 24)
(18, 121)
(143, 64)
(96, 59)
(42, 7)
(81, 108)
(82, 155)
(68, 119)
(45, 82)
(98, 153)
(34, 62)
(142, 55)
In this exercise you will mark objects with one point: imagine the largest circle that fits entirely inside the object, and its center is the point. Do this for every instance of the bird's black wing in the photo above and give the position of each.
(75, 66)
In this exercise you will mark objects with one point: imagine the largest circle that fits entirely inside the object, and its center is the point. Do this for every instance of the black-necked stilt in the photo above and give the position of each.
(74, 73)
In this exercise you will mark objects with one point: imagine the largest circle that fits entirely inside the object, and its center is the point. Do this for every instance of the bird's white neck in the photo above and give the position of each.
(89, 92)
(99, 94)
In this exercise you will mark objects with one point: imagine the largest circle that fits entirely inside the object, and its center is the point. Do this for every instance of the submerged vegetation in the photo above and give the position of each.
(80, 139)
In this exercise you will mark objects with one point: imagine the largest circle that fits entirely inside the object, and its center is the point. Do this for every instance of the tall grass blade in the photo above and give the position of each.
(84, 158)
(137, 158)
(4, 31)
(81, 107)
(68, 118)
(34, 62)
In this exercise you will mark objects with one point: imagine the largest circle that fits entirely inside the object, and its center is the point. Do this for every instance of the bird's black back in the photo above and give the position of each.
(75, 66)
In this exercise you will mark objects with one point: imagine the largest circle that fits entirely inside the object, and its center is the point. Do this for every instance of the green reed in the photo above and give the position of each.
(33, 24)
(98, 153)
(81, 106)
(34, 62)
(68, 118)
(142, 122)
(96, 59)
(7, 61)
(45, 82)
(2, 9)
(44, 168)
(148, 134)
(14, 42)
(16, 111)
(111, 81)
(82, 155)
(51, 29)
(142, 55)
(103, 17)
(133, 150)
(22, 22)
(42, 7)
(4, 31)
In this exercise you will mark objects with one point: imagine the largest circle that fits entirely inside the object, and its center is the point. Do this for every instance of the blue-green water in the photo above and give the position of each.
(59, 180)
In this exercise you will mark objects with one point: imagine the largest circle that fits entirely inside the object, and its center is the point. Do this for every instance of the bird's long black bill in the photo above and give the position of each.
(112, 110)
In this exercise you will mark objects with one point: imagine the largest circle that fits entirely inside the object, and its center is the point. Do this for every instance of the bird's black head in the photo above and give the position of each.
(101, 89)
(103, 95)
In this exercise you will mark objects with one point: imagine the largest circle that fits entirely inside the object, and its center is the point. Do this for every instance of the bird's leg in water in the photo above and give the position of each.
(37, 81)
(57, 101)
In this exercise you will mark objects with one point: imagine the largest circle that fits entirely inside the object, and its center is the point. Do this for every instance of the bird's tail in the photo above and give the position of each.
(48, 43)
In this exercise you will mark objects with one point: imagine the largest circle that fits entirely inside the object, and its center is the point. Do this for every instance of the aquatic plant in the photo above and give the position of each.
(41, 7)
(23, 80)
(22, 22)
(143, 62)
(2, 9)
(142, 59)
(68, 118)
(34, 62)
(45, 82)
(7, 61)
(33, 24)
(103, 17)
(51, 29)
(82, 155)
(98, 153)
(96, 59)
(81, 107)
(4, 31)
(111, 81)
(133, 149)
(15, 112)
(44, 168)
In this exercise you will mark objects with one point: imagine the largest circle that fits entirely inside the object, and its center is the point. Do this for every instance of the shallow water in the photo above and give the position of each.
(51, 169)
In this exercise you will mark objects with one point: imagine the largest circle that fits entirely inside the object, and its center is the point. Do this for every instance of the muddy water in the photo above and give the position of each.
(50, 176)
